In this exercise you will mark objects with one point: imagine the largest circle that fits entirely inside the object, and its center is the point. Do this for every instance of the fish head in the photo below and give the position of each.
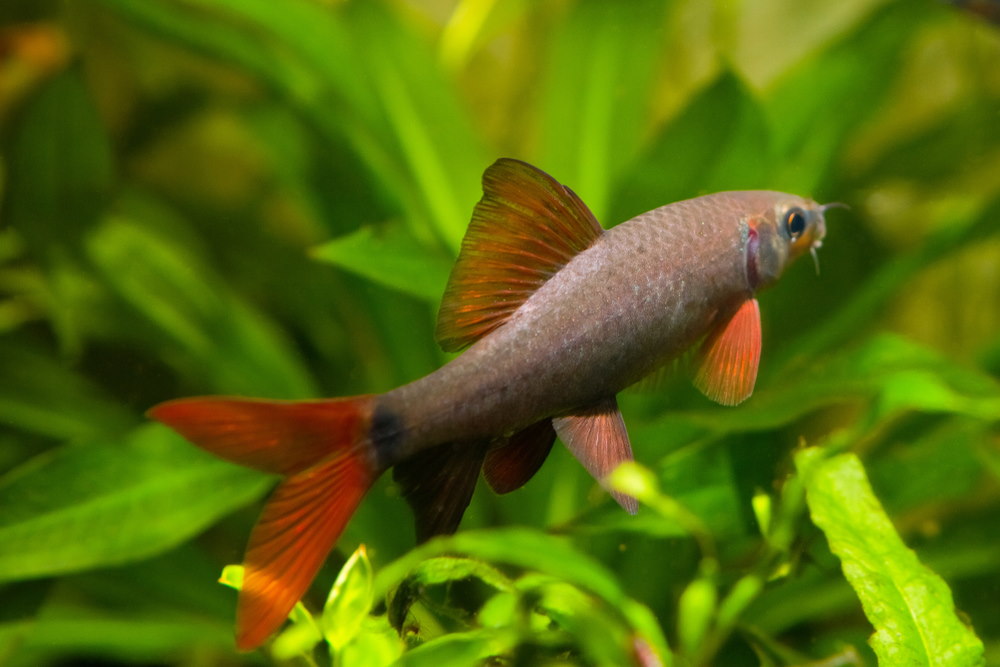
(784, 229)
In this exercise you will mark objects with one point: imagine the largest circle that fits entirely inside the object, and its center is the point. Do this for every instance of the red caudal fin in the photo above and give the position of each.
(323, 449)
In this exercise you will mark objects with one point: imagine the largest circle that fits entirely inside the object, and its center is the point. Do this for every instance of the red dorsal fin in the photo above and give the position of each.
(510, 465)
(727, 365)
(598, 439)
(525, 228)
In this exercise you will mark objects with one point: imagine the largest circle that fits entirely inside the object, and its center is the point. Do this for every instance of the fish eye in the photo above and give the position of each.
(795, 222)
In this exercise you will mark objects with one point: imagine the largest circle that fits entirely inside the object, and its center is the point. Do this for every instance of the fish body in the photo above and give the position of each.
(643, 294)
(555, 316)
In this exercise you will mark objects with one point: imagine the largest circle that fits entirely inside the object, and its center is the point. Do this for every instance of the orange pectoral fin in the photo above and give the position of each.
(729, 357)
(598, 439)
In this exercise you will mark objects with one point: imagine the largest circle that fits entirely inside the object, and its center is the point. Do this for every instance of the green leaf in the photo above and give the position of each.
(910, 606)
(740, 596)
(822, 100)
(702, 487)
(232, 576)
(633, 479)
(946, 458)
(377, 645)
(298, 639)
(596, 93)
(387, 256)
(42, 396)
(596, 627)
(460, 648)
(60, 167)
(123, 638)
(719, 142)
(392, 104)
(238, 349)
(85, 506)
(887, 373)
(695, 611)
(515, 546)
(349, 602)
(471, 23)
(431, 140)
(448, 568)
(534, 552)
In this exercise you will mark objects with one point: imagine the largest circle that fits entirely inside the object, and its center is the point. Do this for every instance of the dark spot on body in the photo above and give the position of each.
(386, 435)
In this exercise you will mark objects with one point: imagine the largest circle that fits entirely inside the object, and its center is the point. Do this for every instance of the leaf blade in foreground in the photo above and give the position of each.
(84, 506)
(388, 258)
(910, 607)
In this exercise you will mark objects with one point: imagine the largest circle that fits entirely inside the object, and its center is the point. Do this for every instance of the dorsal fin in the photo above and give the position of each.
(524, 229)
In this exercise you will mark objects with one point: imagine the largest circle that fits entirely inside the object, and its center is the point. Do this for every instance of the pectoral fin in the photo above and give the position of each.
(598, 439)
(728, 359)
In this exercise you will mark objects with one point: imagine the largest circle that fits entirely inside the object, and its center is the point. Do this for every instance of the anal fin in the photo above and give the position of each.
(438, 484)
(509, 465)
(598, 439)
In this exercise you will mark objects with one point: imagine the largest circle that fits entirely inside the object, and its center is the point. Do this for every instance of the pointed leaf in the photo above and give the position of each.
(390, 258)
(84, 506)
(598, 71)
(910, 606)
(349, 601)
(169, 287)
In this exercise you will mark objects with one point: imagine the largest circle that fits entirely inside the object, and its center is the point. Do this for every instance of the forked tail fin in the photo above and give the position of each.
(322, 448)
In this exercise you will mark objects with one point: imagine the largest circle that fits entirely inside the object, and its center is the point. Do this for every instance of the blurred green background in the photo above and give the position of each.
(264, 198)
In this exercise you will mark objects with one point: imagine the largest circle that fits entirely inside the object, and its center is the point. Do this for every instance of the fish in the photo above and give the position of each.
(553, 316)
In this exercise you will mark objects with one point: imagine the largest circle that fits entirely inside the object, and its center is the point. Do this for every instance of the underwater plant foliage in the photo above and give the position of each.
(265, 199)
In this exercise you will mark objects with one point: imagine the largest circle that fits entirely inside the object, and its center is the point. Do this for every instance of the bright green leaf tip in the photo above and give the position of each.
(232, 576)
(635, 480)
(349, 601)
(910, 607)
(696, 610)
